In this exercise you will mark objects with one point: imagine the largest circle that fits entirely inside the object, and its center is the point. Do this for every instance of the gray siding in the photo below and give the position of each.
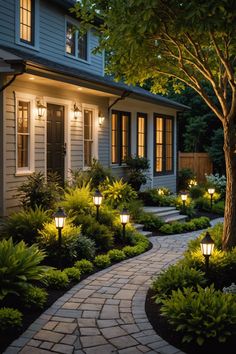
(51, 36)
(74, 133)
(1, 150)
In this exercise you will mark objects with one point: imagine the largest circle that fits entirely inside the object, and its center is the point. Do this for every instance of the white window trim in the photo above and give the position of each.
(75, 57)
(34, 46)
(31, 99)
(68, 116)
(94, 109)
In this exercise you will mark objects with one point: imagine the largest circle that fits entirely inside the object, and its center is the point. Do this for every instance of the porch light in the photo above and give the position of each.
(77, 111)
(59, 217)
(41, 109)
(101, 118)
(211, 191)
(97, 199)
(207, 247)
(124, 218)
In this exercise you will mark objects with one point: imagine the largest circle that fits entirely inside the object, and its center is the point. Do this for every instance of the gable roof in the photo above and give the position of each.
(34, 63)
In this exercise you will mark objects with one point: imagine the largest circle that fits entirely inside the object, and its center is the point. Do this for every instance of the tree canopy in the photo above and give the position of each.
(182, 43)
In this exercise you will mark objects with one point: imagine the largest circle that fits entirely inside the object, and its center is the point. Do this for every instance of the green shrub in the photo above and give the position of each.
(84, 266)
(137, 238)
(48, 240)
(135, 208)
(201, 315)
(116, 255)
(25, 224)
(34, 297)
(78, 200)
(150, 197)
(150, 221)
(184, 177)
(107, 215)
(178, 227)
(132, 251)
(85, 248)
(10, 319)
(38, 191)
(136, 175)
(101, 234)
(97, 174)
(196, 192)
(167, 229)
(117, 192)
(202, 204)
(176, 277)
(56, 279)
(102, 261)
(219, 208)
(19, 265)
(73, 273)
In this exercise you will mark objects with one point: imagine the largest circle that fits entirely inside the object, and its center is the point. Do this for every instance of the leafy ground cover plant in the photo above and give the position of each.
(84, 266)
(85, 248)
(176, 277)
(19, 266)
(56, 279)
(25, 224)
(48, 240)
(116, 255)
(102, 261)
(179, 227)
(150, 221)
(73, 273)
(10, 319)
(34, 297)
(202, 314)
(38, 191)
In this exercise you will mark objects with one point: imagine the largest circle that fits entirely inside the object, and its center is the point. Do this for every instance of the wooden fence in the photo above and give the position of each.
(199, 163)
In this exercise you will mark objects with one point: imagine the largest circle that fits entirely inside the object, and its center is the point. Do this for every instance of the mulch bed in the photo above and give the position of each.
(163, 329)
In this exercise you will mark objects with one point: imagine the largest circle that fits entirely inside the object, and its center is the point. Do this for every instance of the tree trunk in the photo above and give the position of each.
(229, 234)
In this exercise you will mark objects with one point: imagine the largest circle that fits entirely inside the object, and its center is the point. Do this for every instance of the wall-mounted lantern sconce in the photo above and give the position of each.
(41, 109)
(100, 118)
(77, 112)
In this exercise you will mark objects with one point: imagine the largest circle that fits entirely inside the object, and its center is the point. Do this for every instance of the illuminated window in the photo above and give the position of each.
(27, 21)
(76, 44)
(88, 138)
(23, 134)
(163, 145)
(120, 136)
(141, 135)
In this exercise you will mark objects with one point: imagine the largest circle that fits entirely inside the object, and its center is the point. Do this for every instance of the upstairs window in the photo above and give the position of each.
(76, 44)
(120, 136)
(27, 14)
(142, 135)
(163, 145)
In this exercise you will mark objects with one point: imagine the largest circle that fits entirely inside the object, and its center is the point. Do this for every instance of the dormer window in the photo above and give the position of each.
(27, 13)
(76, 44)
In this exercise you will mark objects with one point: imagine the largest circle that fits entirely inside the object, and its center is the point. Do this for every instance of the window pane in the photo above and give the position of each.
(114, 138)
(26, 21)
(82, 46)
(124, 137)
(23, 134)
(169, 144)
(70, 39)
(88, 137)
(141, 136)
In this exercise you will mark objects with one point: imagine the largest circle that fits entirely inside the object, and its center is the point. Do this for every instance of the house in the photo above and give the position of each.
(58, 110)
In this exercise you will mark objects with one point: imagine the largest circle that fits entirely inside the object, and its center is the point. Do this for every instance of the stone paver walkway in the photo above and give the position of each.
(105, 313)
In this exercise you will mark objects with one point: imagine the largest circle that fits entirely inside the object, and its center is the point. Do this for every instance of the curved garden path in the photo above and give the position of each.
(105, 312)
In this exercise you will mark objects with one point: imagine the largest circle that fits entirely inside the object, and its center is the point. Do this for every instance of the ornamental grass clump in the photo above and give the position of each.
(201, 315)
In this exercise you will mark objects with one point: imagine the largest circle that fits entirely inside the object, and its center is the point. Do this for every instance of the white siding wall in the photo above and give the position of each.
(135, 106)
(74, 156)
(51, 36)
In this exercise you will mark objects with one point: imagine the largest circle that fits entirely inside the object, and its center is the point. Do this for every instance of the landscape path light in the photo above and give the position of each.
(59, 217)
(184, 197)
(124, 218)
(97, 199)
(207, 247)
(211, 191)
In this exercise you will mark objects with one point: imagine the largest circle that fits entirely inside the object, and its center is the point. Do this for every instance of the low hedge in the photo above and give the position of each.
(179, 227)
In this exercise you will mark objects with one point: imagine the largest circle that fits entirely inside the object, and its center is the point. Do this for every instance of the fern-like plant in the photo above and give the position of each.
(78, 200)
(19, 265)
(118, 192)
